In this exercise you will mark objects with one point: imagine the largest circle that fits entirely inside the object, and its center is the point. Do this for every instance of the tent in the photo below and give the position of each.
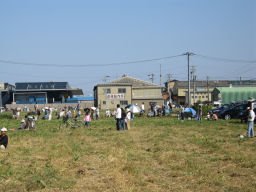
(133, 108)
(190, 110)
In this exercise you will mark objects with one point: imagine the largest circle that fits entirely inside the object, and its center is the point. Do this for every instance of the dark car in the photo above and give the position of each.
(217, 110)
(243, 115)
(233, 111)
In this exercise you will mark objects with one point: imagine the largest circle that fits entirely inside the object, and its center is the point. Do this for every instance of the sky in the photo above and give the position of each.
(72, 33)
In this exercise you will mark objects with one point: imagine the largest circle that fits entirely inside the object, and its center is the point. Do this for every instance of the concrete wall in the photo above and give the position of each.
(58, 106)
(111, 103)
(144, 93)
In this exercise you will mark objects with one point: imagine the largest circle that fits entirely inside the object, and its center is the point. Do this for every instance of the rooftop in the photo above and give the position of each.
(135, 82)
(217, 83)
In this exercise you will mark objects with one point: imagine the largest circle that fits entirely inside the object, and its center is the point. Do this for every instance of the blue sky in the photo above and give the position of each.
(97, 32)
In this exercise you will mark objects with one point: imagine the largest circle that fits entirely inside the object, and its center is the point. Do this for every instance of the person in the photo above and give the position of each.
(50, 114)
(87, 119)
(36, 106)
(38, 112)
(113, 113)
(128, 119)
(30, 123)
(142, 109)
(208, 116)
(200, 113)
(78, 107)
(78, 114)
(182, 116)
(251, 117)
(122, 121)
(97, 113)
(61, 114)
(22, 126)
(46, 113)
(107, 113)
(170, 106)
(118, 117)
(214, 117)
(92, 114)
(68, 114)
(163, 110)
(3, 138)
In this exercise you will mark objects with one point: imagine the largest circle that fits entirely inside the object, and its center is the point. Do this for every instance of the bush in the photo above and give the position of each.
(5, 116)
(205, 108)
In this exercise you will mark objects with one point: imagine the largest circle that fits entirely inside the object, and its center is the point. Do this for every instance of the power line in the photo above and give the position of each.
(225, 59)
(90, 65)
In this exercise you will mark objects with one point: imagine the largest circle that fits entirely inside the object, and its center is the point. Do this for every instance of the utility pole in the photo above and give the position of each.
(194, 89)
(188, 55)
(151, 77)
(160, 74)
(169, 76)
(193, 70)
(208, 89)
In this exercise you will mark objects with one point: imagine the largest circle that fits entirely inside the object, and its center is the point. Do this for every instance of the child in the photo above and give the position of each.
(208, 116)
(87, 119)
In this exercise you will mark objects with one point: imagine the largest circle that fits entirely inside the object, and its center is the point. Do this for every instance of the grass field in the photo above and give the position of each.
(158, 154)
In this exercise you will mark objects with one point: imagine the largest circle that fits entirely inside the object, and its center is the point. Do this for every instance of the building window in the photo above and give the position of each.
(202, 96)
(106, 90)
(123, 102)
(104, 102)
(121, 90)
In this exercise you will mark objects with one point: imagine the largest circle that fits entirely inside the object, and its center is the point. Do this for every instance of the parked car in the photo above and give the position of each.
(218, 110)
(243, 115)
(232, 111)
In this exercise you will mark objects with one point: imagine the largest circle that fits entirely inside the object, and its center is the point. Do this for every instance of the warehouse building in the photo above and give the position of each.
(127, 90)
(44, 92)
(6, 91)
(226, 95)
(200, 90)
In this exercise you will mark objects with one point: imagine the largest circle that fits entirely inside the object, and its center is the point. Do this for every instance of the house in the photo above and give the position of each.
(127, 90)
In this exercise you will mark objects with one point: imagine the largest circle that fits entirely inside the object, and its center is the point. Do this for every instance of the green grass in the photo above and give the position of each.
(157, 154)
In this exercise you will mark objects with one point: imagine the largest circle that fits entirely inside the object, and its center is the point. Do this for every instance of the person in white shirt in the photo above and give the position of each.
(97, 113)
(251, 117)
(142, 109)
(107, 113)
(128, 118)
(118, 117)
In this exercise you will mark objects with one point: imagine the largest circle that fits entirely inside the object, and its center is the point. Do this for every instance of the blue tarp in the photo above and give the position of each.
(190, 110)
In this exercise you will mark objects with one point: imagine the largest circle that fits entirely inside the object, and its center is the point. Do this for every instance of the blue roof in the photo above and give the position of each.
(81, 98)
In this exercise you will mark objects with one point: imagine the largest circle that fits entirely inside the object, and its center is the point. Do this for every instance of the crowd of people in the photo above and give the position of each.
(123, 116)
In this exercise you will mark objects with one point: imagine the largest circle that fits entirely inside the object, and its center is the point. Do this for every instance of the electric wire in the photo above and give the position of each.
(225, 59)
(89, 65)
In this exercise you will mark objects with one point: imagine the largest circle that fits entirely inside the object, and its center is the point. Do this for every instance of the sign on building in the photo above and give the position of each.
(115, 96)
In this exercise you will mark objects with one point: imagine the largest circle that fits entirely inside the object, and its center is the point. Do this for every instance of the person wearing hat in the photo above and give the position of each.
(251, 117)
(3, 138)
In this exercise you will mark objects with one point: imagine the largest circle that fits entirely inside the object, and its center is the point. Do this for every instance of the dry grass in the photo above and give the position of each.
(160, 154)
